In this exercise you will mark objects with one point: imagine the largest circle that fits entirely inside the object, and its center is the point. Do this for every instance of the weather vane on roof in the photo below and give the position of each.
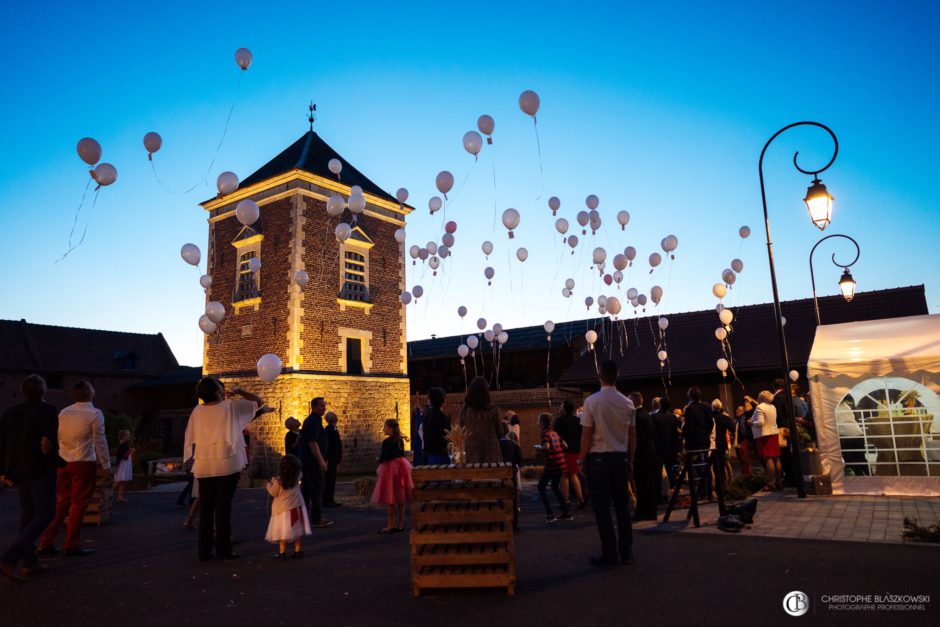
(311, 116)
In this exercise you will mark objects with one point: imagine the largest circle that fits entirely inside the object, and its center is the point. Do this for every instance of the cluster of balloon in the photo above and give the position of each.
(89, 151)
(511, 221)
(444, 182)
(247, 212)
(669, 245)
(226, 183)
(336, 167)
(152, 142)
(356, 202)
(209, 321)
(269, 367)
(190, 254)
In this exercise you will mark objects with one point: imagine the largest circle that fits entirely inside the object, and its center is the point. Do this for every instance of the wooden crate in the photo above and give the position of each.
(461, 534)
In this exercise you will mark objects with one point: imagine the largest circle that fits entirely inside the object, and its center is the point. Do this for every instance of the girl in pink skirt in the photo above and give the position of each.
(393, 485)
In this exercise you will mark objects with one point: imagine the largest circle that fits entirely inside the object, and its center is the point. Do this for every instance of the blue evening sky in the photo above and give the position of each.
(658, 108)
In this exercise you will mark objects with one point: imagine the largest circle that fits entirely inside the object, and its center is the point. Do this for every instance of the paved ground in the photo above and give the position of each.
(145, 573)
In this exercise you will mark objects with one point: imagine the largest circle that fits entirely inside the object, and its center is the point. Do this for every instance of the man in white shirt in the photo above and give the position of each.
(83, 446)
(608, 442)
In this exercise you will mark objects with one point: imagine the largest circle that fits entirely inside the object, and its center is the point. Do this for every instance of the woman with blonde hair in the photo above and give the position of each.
(764, 427)
(483, 424)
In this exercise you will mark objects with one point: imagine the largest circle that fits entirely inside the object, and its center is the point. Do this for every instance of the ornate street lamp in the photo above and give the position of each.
(819, 203)
(846, 283)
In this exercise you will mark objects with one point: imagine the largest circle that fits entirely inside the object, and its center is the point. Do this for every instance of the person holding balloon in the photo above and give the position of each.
(215, 430)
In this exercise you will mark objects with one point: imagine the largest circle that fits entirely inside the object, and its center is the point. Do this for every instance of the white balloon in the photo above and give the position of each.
(549, 326)
(728, 276)
(722, 364)
(400, 236)
(206, 325)
(405, 297)
(432, 248)
(602, 301)
(510, 220)
(89, 150)
(417, 291)
(487, 248)
(486, 124)
(435, 204)
(630, 253)
(620, 262)
(737, 265)
(423, 254)
(463, 350)
(618, 277)
(489, 336)
(105, 174)
(744, 232)
(444, 181)
(190, 254)
(243, 58)
(634, 303)
(569, 283)
(623, 217)
(583, 218)
(335, 205)
(489, 273)
(247, 212)
(502, 338)
(601, 310)
(662, 355)
(594, 219)
(434, 262)
(655, 260)
(401, 195)
(522, 254)
(572, 241)
(592, 201)
(588, 301)
(783, 320)
(561, 225)
(443, 251)
(254, 264)
(227, 182)
(269, 367)
(664, 323)
(301, 278)
(205, 281)
(590, 336)
(354, 190)
(414, 251)
(461, 311)
(794, 376)
(641, 299)
(719, 290)
(566, 292)
(481, 323)
(152, 142)
(472, 142)
(335, 166)
(529, 102)
(343, 231)
(357, 203)
(656, 294)
(215, 310)
(600, 255)
(721, 333)
(473, 342)
(554, 203)
(613, 305)
(632, 293)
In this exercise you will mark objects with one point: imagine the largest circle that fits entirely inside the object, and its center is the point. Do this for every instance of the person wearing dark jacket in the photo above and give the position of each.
(698, 422)
(646, 463)
(667, 437)
(292, 437)
(783, 423)
(436, 424)
(568, 428)
(334, 455)
(724, 430)
(29, 446)
(512, 453)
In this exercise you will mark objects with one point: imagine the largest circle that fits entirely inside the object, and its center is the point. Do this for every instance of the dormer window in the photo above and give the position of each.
(247, 282)
(354, 271)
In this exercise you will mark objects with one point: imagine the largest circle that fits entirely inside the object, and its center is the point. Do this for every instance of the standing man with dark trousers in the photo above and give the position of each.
(313, 453)
(29, 452)
(608, 442)
(334, 455)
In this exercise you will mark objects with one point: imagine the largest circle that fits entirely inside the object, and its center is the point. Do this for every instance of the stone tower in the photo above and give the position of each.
(343, 335)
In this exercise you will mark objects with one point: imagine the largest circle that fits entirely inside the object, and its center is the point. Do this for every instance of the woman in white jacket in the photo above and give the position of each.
(764, 427)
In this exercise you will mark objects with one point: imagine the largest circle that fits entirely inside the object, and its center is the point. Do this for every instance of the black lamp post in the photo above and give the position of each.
(819, 203)
(846, 283)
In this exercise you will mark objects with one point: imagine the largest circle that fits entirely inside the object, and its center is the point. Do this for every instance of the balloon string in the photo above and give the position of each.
(85, 229)
(495, 194)
(78, 210)
(225, 130)
(538, 145)
(548, 362)
(462, 183)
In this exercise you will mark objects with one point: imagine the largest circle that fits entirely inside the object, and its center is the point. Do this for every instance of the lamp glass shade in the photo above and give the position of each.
(819, 202)
(847, 285)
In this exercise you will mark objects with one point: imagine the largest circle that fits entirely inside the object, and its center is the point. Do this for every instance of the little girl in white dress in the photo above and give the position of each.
(289, 521)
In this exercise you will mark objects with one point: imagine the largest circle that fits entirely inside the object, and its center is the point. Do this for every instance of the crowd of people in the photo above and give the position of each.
(599, 454)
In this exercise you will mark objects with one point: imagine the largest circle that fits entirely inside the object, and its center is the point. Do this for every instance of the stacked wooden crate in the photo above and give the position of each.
(98, 511)
(462, 535)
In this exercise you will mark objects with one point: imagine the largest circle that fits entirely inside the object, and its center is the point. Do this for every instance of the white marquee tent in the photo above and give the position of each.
(875, 389)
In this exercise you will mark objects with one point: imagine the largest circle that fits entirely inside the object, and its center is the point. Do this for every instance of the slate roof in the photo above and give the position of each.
(184, 375)
(28, 347)
(633, 342)
(311, 154)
